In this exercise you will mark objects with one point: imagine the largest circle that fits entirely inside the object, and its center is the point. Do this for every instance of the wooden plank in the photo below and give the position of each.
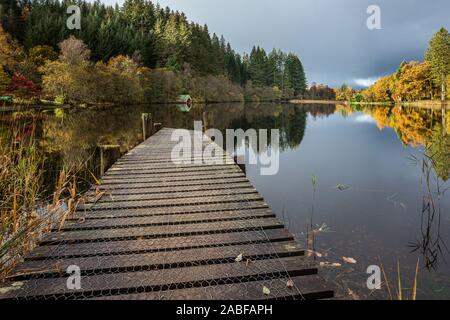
(310, 287)
(188, 209)
(200, 159)
(171, 175)
(159, 179)
(169, 164)
(183, 183)
(155, 260)
(91, 223)
(157, 244)
(154, 189)
(162, 171)
(170, 278)
(175, 195)
(162, 231)
(171, 202)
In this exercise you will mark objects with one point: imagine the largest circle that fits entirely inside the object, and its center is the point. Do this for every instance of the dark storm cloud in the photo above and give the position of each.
(330, 36)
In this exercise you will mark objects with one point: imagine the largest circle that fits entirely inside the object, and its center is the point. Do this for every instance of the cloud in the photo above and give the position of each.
(367, 82)
(364, 119)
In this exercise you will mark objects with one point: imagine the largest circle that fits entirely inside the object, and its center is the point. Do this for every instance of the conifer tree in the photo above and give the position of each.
(438, 54)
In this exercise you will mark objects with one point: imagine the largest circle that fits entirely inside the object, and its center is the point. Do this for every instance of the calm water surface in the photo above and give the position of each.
(367, 163)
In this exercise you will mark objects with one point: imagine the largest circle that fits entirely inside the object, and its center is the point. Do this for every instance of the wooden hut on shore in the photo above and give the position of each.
(185, 99)
(184, 103)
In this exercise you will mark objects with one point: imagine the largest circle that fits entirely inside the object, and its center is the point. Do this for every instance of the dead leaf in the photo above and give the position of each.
(14, 286)
(290, 283)
(82, 220)
(290, 247)
(352, 294)
(17, 284)
(329, 264)
(349, 260)
(314, 253)
(342, 187)
(239, 258)
(336, 265)
(266, 290)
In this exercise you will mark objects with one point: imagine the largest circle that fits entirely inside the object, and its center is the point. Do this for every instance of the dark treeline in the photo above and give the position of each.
(160, 37)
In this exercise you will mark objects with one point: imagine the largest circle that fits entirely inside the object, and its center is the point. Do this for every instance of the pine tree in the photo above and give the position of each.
(258, 67)
(295, 74)
(438, 54)
(275, 62)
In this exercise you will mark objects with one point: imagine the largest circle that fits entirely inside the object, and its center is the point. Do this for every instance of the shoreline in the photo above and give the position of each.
(426, 104)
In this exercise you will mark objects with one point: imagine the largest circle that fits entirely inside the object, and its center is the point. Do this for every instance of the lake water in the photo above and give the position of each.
(369, 168)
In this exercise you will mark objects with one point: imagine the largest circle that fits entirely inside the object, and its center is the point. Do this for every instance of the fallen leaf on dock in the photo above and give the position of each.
(352, 294)
(329, 264)
(14, 286)
(82, 220)
(266, 290)
(290, 247)
(336, 265)
(349, 260)
(314, 253)
(238, 258)
(290, 284)
(17, 284)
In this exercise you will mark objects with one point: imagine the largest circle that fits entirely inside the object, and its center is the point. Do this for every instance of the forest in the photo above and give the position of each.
(138, 52)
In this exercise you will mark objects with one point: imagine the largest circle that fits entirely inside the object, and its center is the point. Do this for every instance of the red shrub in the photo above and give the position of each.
(23, 87)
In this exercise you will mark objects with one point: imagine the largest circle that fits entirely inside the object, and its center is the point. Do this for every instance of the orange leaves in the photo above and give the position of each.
(414, 82)
(382, 89)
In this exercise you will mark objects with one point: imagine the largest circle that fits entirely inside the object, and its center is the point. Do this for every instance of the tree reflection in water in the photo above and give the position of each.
(435, 174)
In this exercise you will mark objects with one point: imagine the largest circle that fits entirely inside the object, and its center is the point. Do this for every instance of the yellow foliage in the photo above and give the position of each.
(411, 83)
(414, 83)
(382, 88)
(10, 52)
(344, 93)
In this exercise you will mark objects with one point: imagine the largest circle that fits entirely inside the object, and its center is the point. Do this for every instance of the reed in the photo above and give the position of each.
(25, 215)
(400, 289)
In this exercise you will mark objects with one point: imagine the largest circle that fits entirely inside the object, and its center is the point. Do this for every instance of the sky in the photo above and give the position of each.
(330, 36)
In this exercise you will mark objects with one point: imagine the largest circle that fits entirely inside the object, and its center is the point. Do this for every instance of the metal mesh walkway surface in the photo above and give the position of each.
(159, 229)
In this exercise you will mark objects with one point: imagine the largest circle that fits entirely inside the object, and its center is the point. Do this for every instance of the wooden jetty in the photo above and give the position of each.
(160, 230)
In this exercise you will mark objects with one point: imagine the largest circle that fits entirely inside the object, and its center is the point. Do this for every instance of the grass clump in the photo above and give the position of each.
(25, 213)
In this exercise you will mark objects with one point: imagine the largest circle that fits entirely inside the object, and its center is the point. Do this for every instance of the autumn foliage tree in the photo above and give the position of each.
(382, 89)
(39, 55)
(414, 82)
(344, 93)
(320, 92)
(23, 87)
(10, 52)
(74, 51)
